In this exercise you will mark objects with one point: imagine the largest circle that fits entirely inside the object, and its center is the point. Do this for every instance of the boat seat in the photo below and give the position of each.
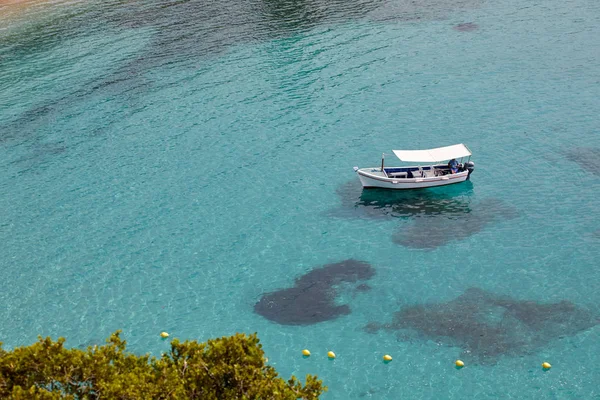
(417, 174)
(397, 174)
(428, 173)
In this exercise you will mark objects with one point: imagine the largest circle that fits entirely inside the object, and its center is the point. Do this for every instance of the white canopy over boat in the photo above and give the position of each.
(433, 155)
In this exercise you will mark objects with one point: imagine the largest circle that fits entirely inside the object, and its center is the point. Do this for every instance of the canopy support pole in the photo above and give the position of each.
(382, 158)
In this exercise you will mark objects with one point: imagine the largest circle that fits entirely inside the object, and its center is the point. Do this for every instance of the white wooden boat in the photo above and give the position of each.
(432, 169)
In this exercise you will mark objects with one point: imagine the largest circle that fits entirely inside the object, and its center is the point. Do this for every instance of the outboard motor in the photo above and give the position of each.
(470, 166)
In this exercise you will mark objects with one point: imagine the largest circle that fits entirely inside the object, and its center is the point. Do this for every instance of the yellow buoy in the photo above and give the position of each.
(459, 363)
(387, 357)
(305, 352)
(331, 354)
(546, 365)
(164, 335)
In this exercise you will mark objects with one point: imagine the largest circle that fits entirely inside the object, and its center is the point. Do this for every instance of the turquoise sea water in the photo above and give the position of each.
(165, 164)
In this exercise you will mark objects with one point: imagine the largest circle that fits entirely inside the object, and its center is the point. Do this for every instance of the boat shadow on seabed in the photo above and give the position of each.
(357, 202)
(439, 215)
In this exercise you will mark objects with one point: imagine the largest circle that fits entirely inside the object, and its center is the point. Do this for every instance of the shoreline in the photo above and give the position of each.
(13, 2)
(20, 10)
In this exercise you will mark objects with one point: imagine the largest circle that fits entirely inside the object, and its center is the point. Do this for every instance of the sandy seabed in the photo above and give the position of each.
(17, 3)
(12, 11)
(12, 6)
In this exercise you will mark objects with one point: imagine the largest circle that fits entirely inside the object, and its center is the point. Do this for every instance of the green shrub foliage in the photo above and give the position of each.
(226, 368)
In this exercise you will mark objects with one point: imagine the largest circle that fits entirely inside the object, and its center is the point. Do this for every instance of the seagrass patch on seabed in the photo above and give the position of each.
(487, 326)
(312, 298)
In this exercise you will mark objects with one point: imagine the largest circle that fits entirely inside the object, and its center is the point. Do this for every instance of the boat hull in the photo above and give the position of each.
(374, 178)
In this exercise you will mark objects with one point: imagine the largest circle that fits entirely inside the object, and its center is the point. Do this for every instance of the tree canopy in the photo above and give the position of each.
(225, 368)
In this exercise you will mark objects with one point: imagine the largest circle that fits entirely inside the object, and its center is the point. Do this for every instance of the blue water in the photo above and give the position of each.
(165, 164)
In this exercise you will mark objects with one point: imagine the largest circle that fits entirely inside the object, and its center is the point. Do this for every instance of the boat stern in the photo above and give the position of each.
(470, 166)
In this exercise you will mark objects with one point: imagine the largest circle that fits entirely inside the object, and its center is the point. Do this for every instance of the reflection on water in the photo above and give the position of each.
(487, 326)
(381, 203)
(312, 299)
(430, 233)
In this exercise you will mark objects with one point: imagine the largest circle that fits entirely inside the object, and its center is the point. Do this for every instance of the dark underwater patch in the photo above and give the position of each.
(381, 203)
(269, 19)
(183, 31)
(430, 233)
(488, 326)
(312, 299)
(466, 27)
(588, 158)
(39, 153)
(186, 29)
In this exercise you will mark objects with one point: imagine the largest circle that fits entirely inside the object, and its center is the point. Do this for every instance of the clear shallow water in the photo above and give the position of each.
(164, 167)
